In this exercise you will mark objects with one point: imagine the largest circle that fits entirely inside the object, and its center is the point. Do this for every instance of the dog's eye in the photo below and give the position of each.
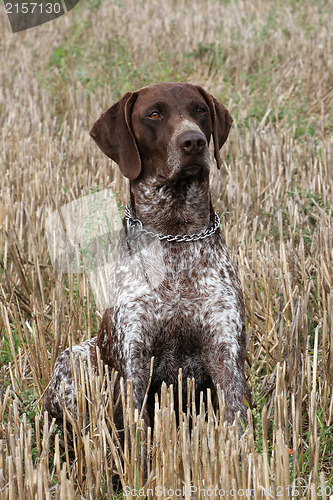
(155, 115)
(201, 111)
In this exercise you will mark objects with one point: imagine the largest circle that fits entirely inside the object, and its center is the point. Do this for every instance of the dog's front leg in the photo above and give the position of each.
(138, 368)
(228, 373)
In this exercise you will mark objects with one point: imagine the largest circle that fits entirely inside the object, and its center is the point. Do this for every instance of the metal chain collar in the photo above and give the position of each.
(134, 224)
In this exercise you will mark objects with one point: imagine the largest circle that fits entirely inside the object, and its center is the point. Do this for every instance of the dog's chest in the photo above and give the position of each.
(173, 283)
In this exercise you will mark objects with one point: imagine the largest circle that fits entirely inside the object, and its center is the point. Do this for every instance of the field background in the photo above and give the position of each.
(271, 63)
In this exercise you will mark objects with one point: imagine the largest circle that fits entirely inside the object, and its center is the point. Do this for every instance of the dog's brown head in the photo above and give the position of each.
(163, 131)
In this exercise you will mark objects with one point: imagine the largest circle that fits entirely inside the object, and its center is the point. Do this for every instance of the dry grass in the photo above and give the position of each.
(272, 64)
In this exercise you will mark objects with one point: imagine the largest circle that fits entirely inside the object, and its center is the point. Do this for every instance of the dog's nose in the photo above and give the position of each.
(192, 142)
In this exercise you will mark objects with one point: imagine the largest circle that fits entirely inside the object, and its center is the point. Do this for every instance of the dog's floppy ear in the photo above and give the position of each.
(113, 134)
(221, 121)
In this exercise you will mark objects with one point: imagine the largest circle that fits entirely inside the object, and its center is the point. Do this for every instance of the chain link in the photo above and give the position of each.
(134, 224)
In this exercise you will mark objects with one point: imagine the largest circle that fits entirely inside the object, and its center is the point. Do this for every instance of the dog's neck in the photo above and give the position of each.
(172, 209)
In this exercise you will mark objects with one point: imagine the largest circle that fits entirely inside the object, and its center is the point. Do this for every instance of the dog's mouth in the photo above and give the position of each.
(187, 172)
(191, 170)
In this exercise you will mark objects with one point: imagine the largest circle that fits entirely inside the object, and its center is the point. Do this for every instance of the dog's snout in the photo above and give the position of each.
(192, 142)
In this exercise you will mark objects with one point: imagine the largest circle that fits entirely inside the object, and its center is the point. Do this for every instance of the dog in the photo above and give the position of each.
(174, 292)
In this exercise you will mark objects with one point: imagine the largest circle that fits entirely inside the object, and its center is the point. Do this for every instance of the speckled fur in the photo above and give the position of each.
(61, 390)
(179, 302)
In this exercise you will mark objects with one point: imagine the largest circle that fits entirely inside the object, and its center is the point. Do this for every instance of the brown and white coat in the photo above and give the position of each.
(180, 302)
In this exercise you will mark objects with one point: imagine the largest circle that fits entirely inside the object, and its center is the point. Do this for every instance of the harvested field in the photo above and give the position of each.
(271, 63)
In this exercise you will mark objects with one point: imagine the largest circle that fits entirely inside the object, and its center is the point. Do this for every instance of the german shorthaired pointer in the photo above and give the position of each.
(174, 291)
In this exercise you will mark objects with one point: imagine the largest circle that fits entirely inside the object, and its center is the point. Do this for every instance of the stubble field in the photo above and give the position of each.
(271, 64)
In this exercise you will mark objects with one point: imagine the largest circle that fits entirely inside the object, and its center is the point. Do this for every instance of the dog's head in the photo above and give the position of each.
(163, 131)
